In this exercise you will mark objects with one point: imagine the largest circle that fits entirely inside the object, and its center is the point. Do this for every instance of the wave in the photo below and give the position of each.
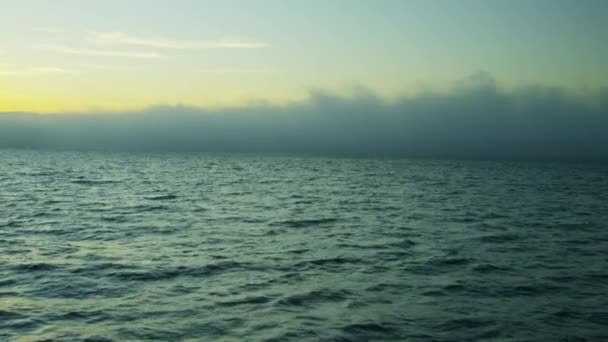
(158, 274)
(253, 300)
(314, 297)
(304, 223)
(360, 329)
(162, 197)
(94, 182)
(500, 238)
(34, 267)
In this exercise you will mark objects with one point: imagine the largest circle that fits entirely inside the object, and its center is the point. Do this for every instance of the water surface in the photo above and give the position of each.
(101, 247)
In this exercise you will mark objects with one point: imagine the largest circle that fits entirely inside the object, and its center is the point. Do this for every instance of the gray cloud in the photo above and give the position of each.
(477, 119)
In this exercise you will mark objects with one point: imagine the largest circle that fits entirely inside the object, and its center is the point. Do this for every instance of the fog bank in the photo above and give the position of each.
(476, 119)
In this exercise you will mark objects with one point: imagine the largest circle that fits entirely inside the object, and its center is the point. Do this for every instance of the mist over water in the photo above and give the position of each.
(116, 246)
(476, 118)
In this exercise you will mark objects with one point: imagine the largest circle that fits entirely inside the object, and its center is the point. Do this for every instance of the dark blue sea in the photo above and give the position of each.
(203, 247)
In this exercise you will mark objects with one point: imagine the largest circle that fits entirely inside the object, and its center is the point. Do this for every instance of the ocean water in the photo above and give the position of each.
(195, 247)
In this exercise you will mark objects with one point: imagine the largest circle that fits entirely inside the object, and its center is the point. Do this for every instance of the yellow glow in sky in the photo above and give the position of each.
(70, 55)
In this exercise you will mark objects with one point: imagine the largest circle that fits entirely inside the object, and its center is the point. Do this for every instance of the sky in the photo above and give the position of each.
(117, 55)
(466, 78)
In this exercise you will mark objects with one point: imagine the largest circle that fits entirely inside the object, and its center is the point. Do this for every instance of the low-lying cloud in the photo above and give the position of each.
(477, 119)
